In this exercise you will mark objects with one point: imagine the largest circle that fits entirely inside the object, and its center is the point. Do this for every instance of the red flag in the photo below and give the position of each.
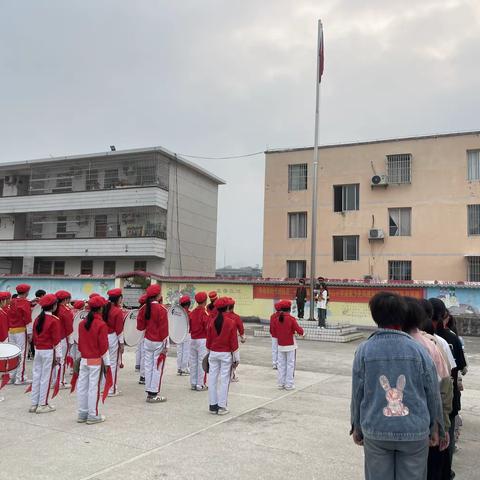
(108, 383)
(29, 389)
(321, 62)
(73, 382)
(69, 361)
(5, 380)
(56, 388)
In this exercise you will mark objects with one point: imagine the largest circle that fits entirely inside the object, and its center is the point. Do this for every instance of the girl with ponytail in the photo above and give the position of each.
(46, 339)
(222, 344)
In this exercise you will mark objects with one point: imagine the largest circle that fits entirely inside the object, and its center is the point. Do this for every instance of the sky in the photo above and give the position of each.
(220, 78)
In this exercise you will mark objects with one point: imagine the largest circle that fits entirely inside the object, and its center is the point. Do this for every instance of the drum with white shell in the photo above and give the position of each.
(178, 324)
(130, 333)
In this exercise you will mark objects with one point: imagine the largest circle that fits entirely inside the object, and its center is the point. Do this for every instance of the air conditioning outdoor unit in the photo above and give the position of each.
(376, 234)
(379, 181)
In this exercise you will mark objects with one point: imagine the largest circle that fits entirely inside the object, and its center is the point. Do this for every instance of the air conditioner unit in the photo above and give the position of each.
(376, 234)
(379, 181)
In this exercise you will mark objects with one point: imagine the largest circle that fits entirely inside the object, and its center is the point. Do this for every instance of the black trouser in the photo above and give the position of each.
(438, 464)
(451, 447)
(322, 316)
(300, 309)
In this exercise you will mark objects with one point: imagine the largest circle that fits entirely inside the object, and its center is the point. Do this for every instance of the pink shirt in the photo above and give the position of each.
(429, 342)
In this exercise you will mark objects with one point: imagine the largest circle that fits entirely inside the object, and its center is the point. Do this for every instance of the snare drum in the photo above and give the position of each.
(9, 357)
(130, 333)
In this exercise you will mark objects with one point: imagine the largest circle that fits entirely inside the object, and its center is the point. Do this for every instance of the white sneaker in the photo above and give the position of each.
(97, 419)
(291, 387)
(280, 387)
(115, 394)
(45, 409)
(274, 367)
(65, 386)
(201, 388)
(33, 409)
(222, 411)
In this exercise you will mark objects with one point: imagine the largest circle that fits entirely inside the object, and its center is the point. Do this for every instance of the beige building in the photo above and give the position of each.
(395, 209)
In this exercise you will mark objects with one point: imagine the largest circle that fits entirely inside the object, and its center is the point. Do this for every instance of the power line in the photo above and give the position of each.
(222, 158)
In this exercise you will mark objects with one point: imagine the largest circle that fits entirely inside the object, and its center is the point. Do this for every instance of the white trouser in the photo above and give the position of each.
(114, 354)
(153, 365)
(42, 374)
(20, 340)
(274, 351)
(198, 350)
(74, 353)
(286, 368)
(140, 356)
(220, 367)
(183, 353)
(65, 353)
(88, 389)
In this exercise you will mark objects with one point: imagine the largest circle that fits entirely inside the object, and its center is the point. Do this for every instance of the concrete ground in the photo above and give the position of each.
(268, 434)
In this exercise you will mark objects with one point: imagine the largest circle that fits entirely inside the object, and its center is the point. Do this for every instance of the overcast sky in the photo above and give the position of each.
(225, 77)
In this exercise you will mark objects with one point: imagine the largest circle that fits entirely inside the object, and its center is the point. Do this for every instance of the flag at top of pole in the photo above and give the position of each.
(320, 51)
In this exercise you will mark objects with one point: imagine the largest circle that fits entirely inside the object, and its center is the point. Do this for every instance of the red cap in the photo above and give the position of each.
(62, 295)
(184, 299)
(201, 297)
(212, 295)
(94, 294)
(5, 296)
(222, 302)
(114, 292)
(153, 290)
(78, 304)
(142, 299)
(23, 288)
(277, 306)
(96, 301)
(284, 304)
(47, 300)
(231, 301)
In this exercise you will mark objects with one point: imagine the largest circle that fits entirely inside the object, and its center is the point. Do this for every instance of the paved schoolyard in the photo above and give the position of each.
(268, 434)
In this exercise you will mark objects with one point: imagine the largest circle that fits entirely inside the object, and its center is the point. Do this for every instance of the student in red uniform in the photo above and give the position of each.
(139, 357)
(20, 329)
(4, 299)
(183, 349)
(153, 321)
(115, 319)
(240, 330)
(65, 317)
(198, 330)
(211, 310)
(47, 342)
(93, 346)
(273, 334)
(286, 328)
(222, 343)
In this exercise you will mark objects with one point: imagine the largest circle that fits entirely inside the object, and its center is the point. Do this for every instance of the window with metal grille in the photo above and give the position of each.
(399, 270)
(109, 267)
(296, 268)
(140, 266)
(297, 225)
(346, 197)
(400, 220)
(345, 248)
(399, 168)
(42, 267)
(473, 269)
(59, 267)
(473, 167)
(86, 267)
(297, 177)
(473, 219)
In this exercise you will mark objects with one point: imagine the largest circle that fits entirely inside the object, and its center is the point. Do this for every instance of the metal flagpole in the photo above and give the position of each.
(315, 171)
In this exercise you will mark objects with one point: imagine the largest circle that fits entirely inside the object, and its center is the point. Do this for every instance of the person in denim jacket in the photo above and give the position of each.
(396, 410)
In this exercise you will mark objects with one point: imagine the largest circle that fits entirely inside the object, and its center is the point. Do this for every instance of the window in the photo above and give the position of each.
(345, 248)
(42, 267)
(111, 179)
(346, 197)
(473, 169)
(140, 266)
(297, 177)
(59, 267)
(61, 226)
(399, 222)
(398, 168)
(109, 267)
(297, 225)
(399, 270)
(86, 267)
(296, 268)
(473, 219)
(473, 273)
(92, 180)
(63, 183)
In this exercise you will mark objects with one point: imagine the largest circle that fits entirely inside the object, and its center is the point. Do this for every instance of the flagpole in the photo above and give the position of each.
(315, 172)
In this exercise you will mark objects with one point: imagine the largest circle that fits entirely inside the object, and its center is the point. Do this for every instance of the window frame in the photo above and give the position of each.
(135, 269)
(303, 178)
(403, 263)
(344, 239)
(476, 274)
(471, 168)
(402, 175)
(82, 267)
(297, 215)
(400, 223)
(342, 197)
(105, 272)
(56, 269)
(469, 217)
(297, 263)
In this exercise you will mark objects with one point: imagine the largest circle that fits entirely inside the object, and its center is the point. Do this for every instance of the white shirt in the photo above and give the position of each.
(445, 347)
(322, 299)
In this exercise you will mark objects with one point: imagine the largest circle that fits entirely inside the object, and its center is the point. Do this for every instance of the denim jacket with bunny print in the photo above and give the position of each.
(395, 392)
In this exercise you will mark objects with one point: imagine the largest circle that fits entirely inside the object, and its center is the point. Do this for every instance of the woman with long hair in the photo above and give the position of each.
(287, 327)
(46, 339)
(222, 344)
(114, 316)
(153, 321)
(65, 318)
(93, 347)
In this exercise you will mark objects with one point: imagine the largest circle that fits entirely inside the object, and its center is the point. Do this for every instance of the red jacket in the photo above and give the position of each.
(115, 320)
(156, 327)
(3, 325)
(227, 341)
(273, 325)
(238, 323)
(19, 313)
(93, 343)
(65, 316)
(49, 337)
(285, 330)
(199, 320)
